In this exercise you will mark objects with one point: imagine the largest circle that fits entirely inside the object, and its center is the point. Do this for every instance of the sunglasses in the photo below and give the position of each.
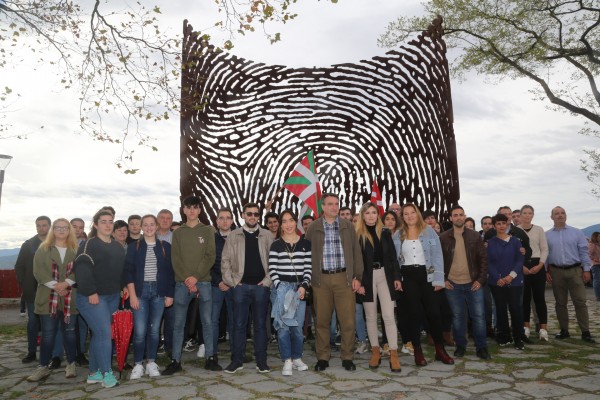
(252, 214)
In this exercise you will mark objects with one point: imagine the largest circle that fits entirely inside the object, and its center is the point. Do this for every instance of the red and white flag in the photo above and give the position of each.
(376, 198)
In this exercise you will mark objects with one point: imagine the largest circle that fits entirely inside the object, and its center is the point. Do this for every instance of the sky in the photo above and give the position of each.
(511, 149)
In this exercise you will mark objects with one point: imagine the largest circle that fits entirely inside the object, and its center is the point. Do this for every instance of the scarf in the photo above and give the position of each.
(54, 294)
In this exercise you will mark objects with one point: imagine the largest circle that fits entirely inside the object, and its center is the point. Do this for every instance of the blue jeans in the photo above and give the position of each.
(244, 297)
(50, 327)
(218, 297)
(146, 323)
(99, 318)
(460, 299)
(33, 327)
(183, 297)
(59, 345)
(82, 328)
(359, 322)
(290, 338)
(596, 280)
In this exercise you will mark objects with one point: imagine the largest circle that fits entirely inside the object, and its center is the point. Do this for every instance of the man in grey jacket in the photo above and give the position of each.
(245, 266)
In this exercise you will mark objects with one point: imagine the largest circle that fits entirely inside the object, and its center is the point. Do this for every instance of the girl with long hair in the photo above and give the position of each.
(381, 280)
(55, 295)
(422, 272)
(290, 271)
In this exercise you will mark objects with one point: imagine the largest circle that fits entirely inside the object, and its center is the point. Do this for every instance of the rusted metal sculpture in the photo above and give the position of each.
(245, 125)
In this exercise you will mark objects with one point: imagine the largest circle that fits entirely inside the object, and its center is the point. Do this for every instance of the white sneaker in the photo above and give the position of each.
(362, 347)
(408, 348)
(71, 370)
(152, 369)
(287, 368)
(544, 335)
(201, 351)
(137, 372)
(299, 364)
(526, 332)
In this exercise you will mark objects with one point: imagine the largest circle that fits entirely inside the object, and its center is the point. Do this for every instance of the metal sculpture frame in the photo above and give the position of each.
(245, 125)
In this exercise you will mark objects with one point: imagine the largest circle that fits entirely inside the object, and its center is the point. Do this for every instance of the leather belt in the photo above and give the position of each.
(413, 265)
(377, 265)
(566, 266)
(333, 271)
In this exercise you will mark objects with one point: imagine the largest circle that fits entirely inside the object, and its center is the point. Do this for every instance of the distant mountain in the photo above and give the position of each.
(8, 261)
(9, 252)
(591, 229)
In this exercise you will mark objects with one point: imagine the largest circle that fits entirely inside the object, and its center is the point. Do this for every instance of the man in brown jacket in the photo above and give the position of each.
(465, 271)
(337, 269)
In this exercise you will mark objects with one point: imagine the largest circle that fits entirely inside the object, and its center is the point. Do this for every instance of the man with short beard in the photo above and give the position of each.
(244, 267)
(465, 269)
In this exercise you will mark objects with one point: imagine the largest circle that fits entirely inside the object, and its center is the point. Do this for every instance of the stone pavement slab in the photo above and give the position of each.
(568, 370)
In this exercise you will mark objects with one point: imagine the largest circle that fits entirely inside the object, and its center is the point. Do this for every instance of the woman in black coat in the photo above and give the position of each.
(381, 280)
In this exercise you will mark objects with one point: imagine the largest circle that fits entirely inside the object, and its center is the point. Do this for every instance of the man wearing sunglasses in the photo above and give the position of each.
(244, 265)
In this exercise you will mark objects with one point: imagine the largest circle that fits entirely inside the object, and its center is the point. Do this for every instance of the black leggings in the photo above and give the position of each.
(535, 285)
(420, 292)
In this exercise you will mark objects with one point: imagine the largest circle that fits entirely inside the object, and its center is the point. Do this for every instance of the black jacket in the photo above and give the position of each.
(476, 254)
(24, 268)
(390, 265)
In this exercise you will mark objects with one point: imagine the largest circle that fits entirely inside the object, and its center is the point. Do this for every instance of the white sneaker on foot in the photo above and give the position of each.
(152, 369)
(408, 348)
(299, 364)
(544, 335)
(526, 332)
(362, 347)
(287, 368)
(70, 370)
(137, 372)
(201, 351)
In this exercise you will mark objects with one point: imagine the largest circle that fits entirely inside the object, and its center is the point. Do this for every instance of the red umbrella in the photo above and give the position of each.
(122, 326)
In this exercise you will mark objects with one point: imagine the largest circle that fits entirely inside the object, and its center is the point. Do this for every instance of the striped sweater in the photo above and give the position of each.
(284, 258)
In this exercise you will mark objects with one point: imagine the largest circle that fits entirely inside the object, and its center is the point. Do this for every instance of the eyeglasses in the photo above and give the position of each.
(395, 209)
(61, 228)
(252, 214)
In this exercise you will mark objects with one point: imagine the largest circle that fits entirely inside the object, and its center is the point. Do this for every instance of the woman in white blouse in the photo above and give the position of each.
(422, 272)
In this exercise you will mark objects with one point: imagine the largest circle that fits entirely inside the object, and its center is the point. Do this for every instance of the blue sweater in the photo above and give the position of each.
(503, 258)
(135, 264)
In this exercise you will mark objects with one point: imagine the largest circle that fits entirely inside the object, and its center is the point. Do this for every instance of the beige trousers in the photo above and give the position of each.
(381, 292)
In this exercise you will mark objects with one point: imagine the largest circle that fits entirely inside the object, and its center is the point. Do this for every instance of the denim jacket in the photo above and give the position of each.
(432, 249)
(285, 304)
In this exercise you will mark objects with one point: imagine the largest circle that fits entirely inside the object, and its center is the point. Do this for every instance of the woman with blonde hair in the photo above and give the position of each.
(381, 280)
(55, 295)
(422, 271)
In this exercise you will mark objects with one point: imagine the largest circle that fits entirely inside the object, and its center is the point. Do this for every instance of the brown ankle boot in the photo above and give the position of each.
(419, 357)
(441, 355)
(448, 338)
(394, 361)
(375, 357)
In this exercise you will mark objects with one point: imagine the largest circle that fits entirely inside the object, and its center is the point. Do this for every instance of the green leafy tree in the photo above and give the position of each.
(115, 56)
(554, 43)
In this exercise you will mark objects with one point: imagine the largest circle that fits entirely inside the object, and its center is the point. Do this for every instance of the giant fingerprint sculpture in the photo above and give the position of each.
(245, 125)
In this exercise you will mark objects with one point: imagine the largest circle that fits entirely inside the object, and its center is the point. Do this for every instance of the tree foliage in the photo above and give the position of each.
(115, 56)
(555, 43)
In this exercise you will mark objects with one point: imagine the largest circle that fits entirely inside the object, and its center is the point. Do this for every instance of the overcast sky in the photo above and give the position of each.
(511, 150)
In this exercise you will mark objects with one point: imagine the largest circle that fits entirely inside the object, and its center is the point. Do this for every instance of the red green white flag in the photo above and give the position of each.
(304, 183)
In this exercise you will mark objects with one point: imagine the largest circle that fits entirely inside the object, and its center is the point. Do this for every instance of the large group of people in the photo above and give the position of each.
(390, 278)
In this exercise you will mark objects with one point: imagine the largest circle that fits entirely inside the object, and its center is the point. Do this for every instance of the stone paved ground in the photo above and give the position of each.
(559, 370)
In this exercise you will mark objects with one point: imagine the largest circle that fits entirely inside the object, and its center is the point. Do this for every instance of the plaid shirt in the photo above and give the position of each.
(333, 253)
